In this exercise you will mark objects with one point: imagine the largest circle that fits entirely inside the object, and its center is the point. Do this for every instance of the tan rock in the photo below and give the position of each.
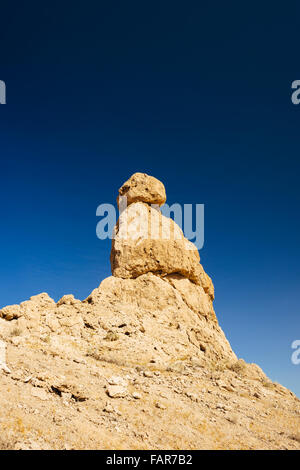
(148, 373)
(170, 325)
(116, 391)
(116, 380)
(40, 393)
(150, 335)
(68, 300)
(206, 283)
(244, 369)
(145, 188)
(10, 312)
(153, 305)
(52, 322)
(160, 405)
(33, 308)
(42, 300)
(146, 241)
(3, 365)
(108, 408)
(193, 295)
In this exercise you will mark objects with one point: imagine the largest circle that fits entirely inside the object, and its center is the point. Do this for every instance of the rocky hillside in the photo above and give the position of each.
(142, 363)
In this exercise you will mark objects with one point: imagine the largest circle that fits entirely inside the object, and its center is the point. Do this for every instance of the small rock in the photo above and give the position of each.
(5, 368)
(232, 418)
(116, 391)
(229, 388)
(112, 336)
(148, 374)
(11, 312)
(137, 395)
(220, 383)
(79, 361)
(16, 340)
(108, 408)
(160, 405)
(219, 406)
(116, 380)
(68, 300)
(192, 396)
(27, 379)
(40, 393)
(66, 397)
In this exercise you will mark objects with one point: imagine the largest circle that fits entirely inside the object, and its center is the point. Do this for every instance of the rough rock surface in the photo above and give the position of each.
(142, 363)
(146, 241)
(139, 364)
(142, 187)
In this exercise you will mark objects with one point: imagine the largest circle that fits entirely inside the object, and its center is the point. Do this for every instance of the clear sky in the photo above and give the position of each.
(198, 95)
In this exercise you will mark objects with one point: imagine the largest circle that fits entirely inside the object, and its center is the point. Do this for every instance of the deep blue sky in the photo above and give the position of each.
(195, 94)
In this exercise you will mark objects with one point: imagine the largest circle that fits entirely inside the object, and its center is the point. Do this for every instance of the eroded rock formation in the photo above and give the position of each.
(142, 362)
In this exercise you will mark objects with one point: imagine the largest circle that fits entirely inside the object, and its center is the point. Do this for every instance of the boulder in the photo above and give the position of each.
(145, 188)
(116, 391)
(146, 241)
(10, 312)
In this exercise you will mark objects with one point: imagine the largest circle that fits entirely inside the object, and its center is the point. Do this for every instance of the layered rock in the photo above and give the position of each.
(113, 370)
(158, 283)
(147, 241)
